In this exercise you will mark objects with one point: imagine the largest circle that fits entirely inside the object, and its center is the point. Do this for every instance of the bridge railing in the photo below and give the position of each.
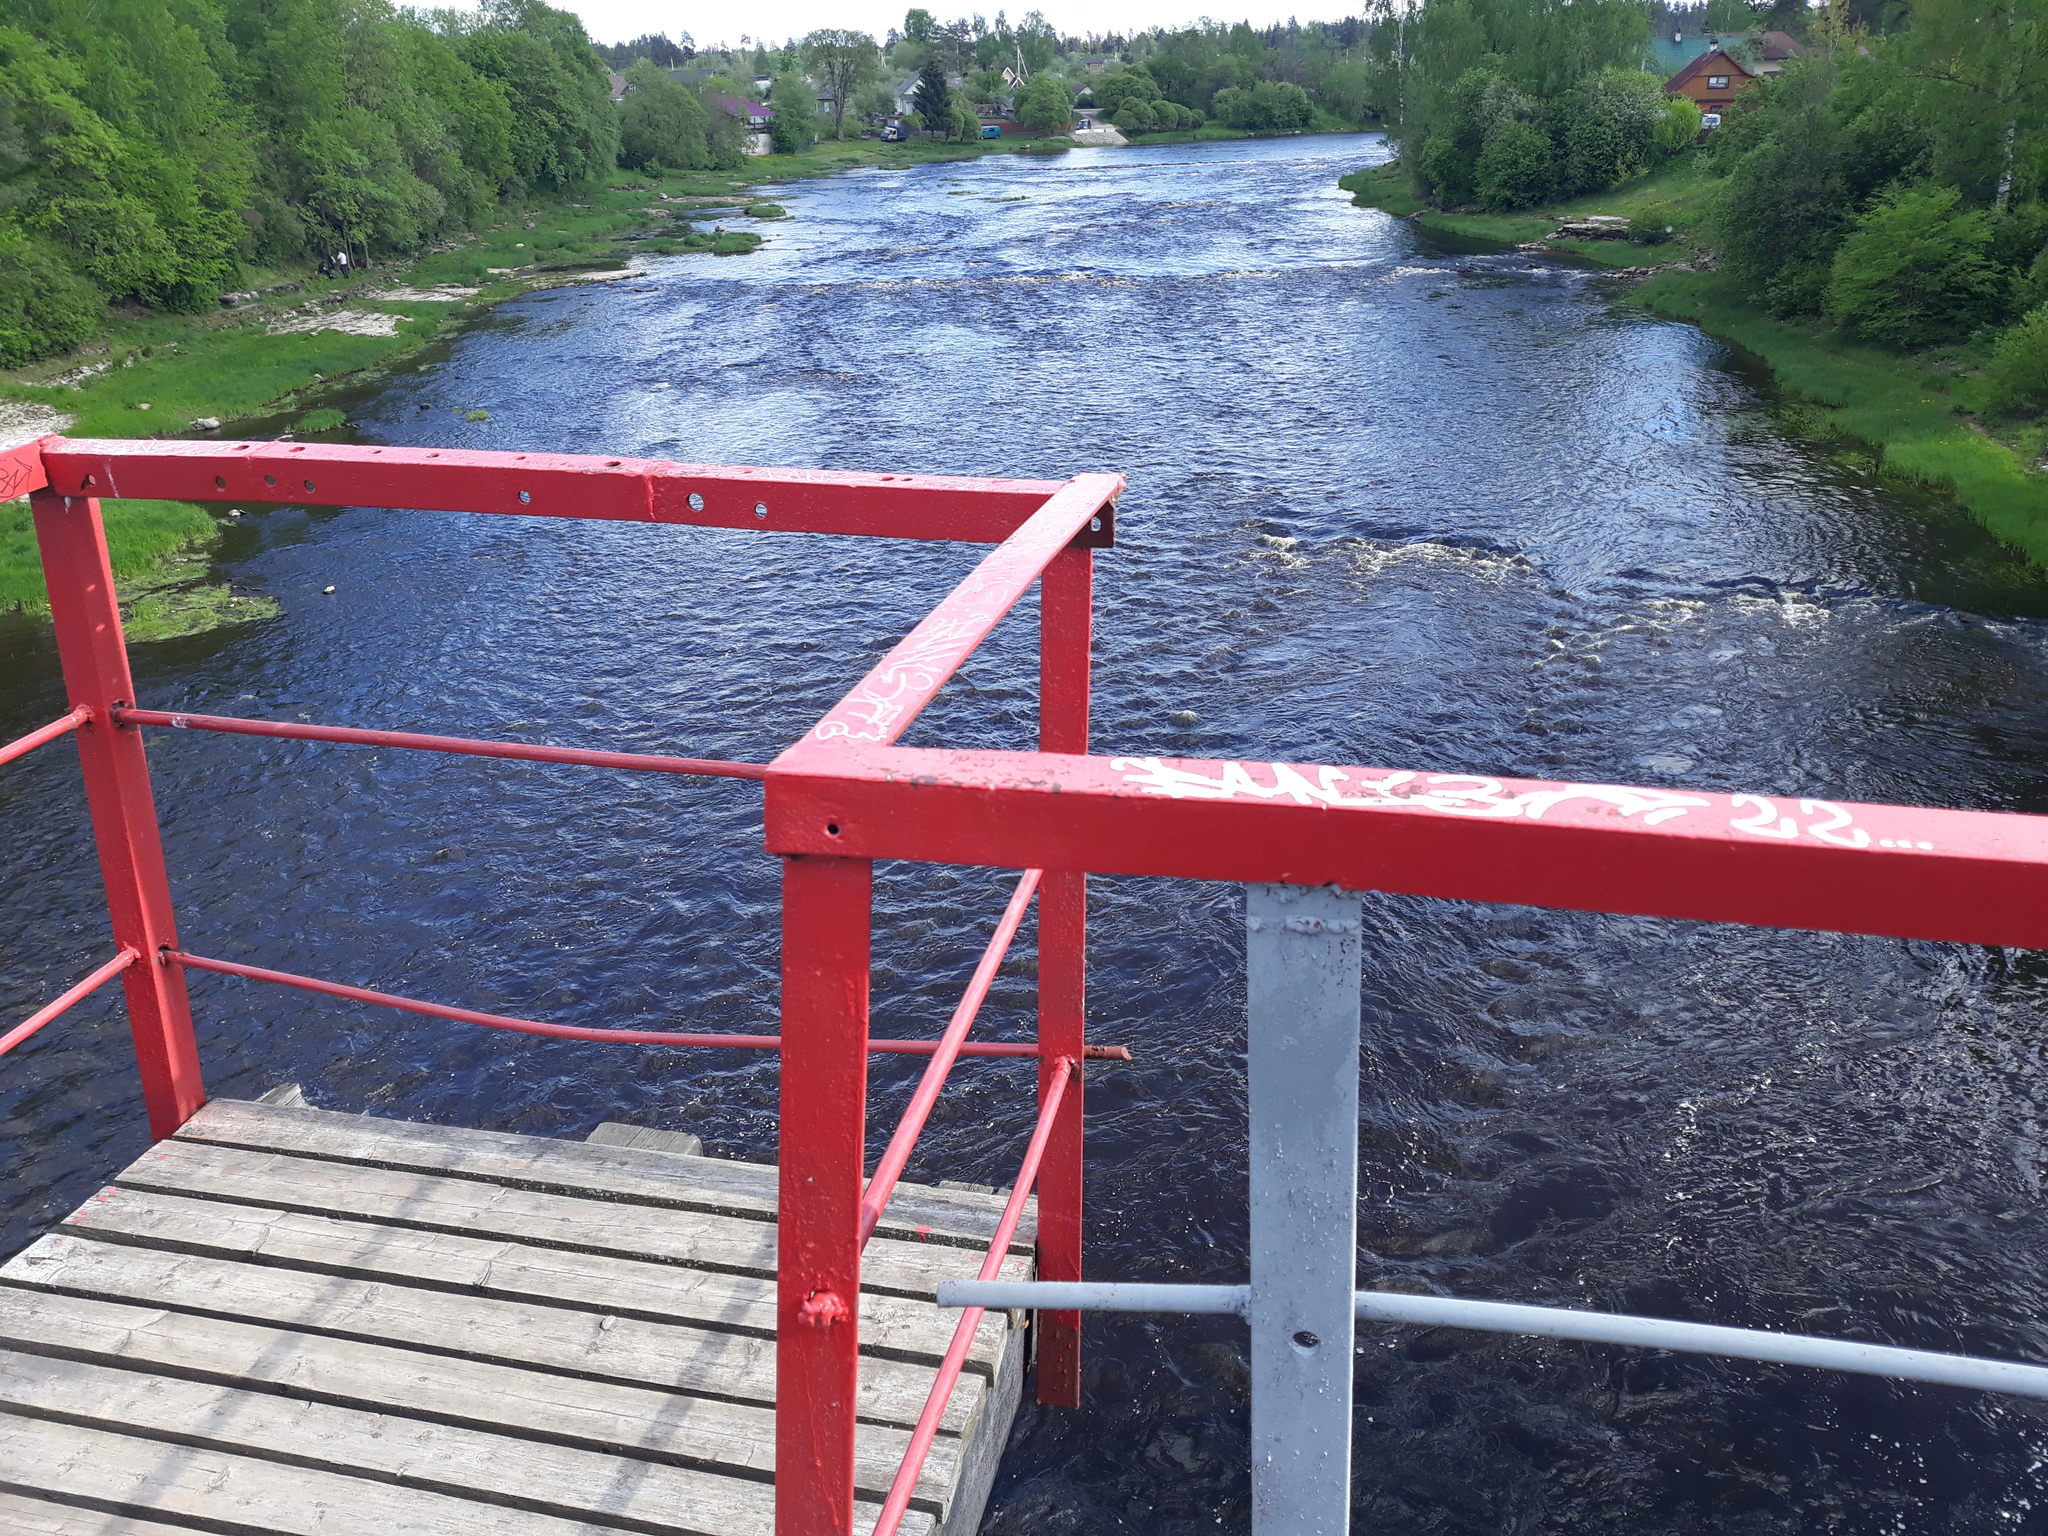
(1299, 835)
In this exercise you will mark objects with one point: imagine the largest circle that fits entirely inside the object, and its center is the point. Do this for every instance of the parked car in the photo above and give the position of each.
(991, 131)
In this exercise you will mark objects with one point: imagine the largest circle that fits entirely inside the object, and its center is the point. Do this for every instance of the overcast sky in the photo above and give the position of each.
(613, 21)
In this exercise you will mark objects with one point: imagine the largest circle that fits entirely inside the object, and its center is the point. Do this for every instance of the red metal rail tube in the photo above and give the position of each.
(578, 1032)
(78, 993)
(50, 732)
(890, 1168)
(898, 1501)
(86, 616)
(464, 745)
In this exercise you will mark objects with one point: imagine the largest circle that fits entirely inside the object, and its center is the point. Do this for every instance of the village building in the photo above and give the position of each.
(1715, 68)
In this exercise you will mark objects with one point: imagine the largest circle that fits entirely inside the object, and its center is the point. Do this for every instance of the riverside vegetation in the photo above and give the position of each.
(177, 169)
(1872, 222)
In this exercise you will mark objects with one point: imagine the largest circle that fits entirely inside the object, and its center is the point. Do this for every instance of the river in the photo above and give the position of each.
(1392, 503)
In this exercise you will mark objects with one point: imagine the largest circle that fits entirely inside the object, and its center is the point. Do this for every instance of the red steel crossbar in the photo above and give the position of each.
(1063, 1070)
(77, 993)
(460, 745)
(50, 732)
(949, 1047)
(579, 1032)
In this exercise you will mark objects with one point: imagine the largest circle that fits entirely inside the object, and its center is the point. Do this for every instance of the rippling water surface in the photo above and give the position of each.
(1390, 504)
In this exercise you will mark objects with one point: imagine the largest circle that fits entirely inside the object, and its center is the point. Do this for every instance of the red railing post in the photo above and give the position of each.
(826, 911)
(87, 618)
(1066, 601)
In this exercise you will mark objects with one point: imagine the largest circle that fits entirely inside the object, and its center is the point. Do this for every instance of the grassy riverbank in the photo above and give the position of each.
(294, 336)
(1921, 412)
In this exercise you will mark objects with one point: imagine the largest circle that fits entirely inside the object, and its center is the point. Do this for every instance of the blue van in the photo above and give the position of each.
(991, 131)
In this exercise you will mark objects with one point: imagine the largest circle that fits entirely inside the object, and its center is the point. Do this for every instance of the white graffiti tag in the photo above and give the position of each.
(1459, 794)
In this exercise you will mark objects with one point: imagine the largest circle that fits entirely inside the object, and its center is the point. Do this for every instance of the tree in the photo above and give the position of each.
(795, 123)
(2016, 378)
(1915, 270)
(966, 122)
(933, 100)
(842, 62)
(1115, 88)
(874, 100)
(660, 123)
(920, 26)
(1044, 106)
(1516, 169)
(1134, 116)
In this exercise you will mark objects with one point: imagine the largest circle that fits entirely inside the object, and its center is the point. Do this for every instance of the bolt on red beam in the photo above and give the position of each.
(78, 993)
(464, 746)
(576, 1031)
(1778, 861)
(50, 732)
(882, 705)
(949, 507)
(890, 1168)
(893, 1507)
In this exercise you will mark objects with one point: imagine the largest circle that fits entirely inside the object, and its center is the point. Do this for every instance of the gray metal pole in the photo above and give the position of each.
(1302, 975)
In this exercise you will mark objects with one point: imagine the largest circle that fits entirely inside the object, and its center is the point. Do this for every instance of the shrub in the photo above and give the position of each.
(2016, 378)
(1444, 172)
(326, 419)
(1678, 125)
(45, 307)
(1915, 270)
(1651, 231)
(1516, 168)
(1134, 116)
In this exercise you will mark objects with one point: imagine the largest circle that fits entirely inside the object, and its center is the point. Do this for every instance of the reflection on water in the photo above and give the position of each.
(1391, 504)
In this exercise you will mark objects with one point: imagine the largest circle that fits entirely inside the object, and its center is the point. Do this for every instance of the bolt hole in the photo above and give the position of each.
(831, 829)
(696, 502)
(526, 495)
(220, 482)
(270, 479)
(1306, 1340)
(309, 485)
(1096, 525)
(760, 509)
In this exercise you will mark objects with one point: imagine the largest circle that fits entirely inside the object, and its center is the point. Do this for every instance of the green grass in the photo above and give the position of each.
(1386, 187)
(1914, 410)
(1675, 195)
(141, 535)
(326, 419)
(223, 372)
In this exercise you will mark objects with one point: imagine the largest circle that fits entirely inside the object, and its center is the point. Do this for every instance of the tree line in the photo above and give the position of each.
(151, 150)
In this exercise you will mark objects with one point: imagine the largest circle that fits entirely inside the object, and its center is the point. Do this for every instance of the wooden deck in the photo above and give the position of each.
(292, 1320)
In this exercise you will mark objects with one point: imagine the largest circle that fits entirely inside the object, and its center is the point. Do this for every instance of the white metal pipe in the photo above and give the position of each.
(1092, 1296)
(1543, 1322)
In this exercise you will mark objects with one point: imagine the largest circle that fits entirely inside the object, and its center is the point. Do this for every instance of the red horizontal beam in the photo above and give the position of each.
(21, 468)
(78, 993)
(462, 745)
(881, 705)
(1780, 861)
(577, 1032)
(50, 732)
(555, 485)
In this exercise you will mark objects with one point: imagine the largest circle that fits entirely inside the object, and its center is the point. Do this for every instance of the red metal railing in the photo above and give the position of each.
(845, 795)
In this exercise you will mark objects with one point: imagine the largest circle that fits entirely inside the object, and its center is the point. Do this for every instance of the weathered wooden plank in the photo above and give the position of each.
(616, 1133)
(221, 1491)
(635, 1422)
(914, 1331)
(471, 1207)
(711, 1184)
(24, 1516)
(627, 1351)
(556, 1480)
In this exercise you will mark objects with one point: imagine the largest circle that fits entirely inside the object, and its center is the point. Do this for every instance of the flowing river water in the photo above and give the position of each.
(1391, 503)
